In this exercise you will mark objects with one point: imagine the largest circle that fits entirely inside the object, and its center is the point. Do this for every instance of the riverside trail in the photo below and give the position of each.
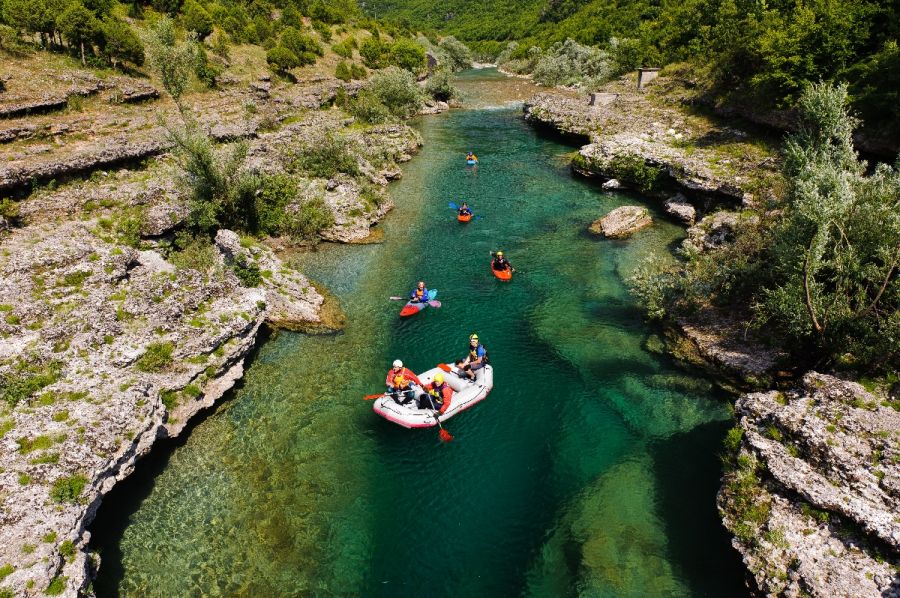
(591, 468)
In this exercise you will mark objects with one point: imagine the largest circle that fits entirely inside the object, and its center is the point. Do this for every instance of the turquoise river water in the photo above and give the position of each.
(591, 469)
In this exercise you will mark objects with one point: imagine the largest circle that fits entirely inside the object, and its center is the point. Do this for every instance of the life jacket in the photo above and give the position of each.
(501, 263)
(473, 353)
(420, 294)
(438, 391)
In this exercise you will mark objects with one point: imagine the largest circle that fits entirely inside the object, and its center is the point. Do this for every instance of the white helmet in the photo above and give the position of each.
(398, 363)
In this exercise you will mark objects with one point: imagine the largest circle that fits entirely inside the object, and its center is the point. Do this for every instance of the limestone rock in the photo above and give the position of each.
(712, 232)
(622, 222)
(612, 184)
(679, 207)
(826, 470)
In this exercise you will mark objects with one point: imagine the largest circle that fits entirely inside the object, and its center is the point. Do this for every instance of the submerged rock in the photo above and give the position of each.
(622, 222)
(813, 497)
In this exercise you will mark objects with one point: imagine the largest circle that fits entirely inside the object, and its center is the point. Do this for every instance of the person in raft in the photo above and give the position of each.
(465, 210)
(475, 360)
(437, 394)
(419, 294)
(500, 262)
(399, 381)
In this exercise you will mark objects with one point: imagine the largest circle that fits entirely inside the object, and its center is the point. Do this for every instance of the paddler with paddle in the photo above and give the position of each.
(419, 294)
(437, 395)
(399, 380)
(500, 263)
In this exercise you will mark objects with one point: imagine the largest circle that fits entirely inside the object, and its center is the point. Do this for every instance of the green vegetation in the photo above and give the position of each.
(440, 87)
(26, 378)
(156, 358)
(6, 570)
(68, 489)
(762, 53)
(67, 550)
(392, 92)
(57, 586)
(750, 505)
(822, 277)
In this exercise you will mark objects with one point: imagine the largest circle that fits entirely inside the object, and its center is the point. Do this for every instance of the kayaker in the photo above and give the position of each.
(399, 379)
(465, 210)
(419, 294)
(437, 394)
(471, 156)
(475, 360)
(500, 262)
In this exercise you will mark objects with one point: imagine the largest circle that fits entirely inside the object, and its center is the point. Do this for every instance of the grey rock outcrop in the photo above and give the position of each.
(679, 207)
(814, 495)
(713, 232)
(622, 222)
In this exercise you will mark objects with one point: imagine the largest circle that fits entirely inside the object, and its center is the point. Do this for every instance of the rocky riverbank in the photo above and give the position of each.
(113, 334)
(813, 492)
(811, 488)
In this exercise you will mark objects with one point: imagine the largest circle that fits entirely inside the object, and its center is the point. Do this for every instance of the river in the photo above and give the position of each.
(591, 469)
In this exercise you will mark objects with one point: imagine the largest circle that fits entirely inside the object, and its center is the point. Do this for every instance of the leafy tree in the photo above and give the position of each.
(195, 18)
(457, 55)
(303, 46)
(174, 60)
(120, 44)
(78, 26)
(373, 52)
(408, 55)
(440, 87)
(397, 90)
(282, 59)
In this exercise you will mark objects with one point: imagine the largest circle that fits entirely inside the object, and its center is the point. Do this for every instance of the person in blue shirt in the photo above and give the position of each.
(465, 210)
(419, 294)
(476, 359)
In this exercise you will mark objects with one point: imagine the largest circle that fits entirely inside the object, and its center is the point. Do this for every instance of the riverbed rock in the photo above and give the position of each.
(622, 222)
(679, 207)
(813, 497)
(611, 184)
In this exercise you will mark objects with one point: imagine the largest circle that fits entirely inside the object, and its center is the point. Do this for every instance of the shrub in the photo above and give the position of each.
(57, 586)
(408, 55)
(282, 59)
(327, 157)
(456, 54)
(275, 194)
(195, 18)
(246, 271)
(25, 379)
(68, 489)
(357, 71)
(343, 49)
(323, 30)
(440, 87)
(67, 550)
(374, 52)
(193, 253)
(6, 570)
(205, 71)
(156, 358)
(342, 71)
(397, 90)
(301, 45)
(311, 216)
(368, 108)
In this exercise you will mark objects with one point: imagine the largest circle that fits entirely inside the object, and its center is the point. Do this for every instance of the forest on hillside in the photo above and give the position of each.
(760, 52)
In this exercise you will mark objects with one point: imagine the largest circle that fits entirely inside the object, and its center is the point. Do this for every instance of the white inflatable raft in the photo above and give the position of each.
(465, 394)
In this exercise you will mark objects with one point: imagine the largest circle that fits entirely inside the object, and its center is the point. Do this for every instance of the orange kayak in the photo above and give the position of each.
(502, 274)
(464, 217)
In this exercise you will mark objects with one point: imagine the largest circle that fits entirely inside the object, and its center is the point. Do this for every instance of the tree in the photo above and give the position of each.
(78, 26)
(120, 43)
(195, 18)
(397, 89)
(173, 59)
(457, 55)
(303, 46)
(373, 52)
(408, 55)
(282, 59)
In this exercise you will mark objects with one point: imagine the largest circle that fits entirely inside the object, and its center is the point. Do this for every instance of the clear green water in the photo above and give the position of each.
(591, 468)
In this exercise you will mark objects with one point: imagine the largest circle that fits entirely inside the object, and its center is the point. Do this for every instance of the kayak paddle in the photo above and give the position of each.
(371, 397)
(432, 302)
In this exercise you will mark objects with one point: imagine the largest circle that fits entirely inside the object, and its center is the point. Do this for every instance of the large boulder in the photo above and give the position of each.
(679, 207)
(622, 222)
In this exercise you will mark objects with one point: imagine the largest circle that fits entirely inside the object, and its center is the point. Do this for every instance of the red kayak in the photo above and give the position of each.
(502, 274)
(464, 217)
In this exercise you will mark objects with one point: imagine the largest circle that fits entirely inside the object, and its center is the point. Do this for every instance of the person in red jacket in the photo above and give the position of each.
(399, 380)
(437, 394)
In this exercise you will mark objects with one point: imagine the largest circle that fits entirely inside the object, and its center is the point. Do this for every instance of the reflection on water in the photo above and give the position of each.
(568, 480)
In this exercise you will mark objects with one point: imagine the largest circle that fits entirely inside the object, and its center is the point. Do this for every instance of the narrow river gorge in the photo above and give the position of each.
(591, 468)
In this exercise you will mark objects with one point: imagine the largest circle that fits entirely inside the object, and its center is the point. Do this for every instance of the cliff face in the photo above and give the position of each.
(813, 496)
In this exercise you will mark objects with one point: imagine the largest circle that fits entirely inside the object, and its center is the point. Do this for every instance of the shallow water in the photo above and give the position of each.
(591, 468)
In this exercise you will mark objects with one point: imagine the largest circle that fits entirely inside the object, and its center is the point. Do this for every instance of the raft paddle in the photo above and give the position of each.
(444, 435)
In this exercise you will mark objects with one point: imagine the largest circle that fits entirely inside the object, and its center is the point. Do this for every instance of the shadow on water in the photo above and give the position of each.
(686, 501)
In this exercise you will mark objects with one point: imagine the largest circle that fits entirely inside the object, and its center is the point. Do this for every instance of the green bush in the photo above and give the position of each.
(246, 271)
(397, 90)
(120, 44)
(357, 71)
(456, 54)
(25, 379)
(195, 18)
(206, 71)
(57, 586)
(374, 53)
(323, 29)
(440, 87)
(311, 216)
(282, 59)
(343, 49)
(174, 60)
(301, 45)
(342, 71)
(635, 170)
(369, 109)
(326, 157)
(68, 489)
(156, 358)
(193, 253)
(408, 55)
